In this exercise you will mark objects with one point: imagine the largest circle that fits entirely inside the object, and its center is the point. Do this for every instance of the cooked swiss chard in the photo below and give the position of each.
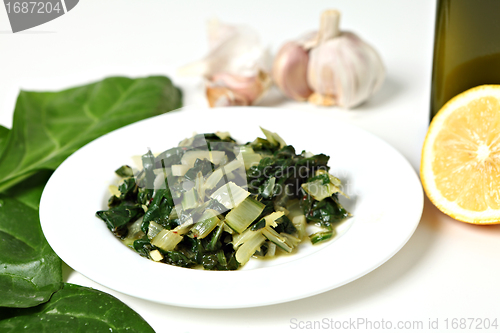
(213, 203)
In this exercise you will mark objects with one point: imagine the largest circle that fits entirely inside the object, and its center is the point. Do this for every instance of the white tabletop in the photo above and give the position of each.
(447, 270)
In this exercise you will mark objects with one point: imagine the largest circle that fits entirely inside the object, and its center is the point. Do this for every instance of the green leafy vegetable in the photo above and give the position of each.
(259, 225)
(285, 225)
(4, 133)
(177, 258)
(321, 236)
(118, 217)
(125, 171)
(75, 309)
(29, 191)
(244, 214)
(204, 166)
(206, 213)
(148, 162)
(159, 210)
(326, 212)
(49, 126)
(30, 272)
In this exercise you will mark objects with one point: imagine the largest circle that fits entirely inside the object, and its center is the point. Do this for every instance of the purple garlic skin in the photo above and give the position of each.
(290, 71)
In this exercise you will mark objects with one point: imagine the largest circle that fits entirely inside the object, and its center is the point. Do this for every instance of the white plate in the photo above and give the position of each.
(386, 201)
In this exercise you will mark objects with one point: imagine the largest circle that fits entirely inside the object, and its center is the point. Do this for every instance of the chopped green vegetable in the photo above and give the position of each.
(190, 199)
(166, 240)
(118, 218)
(125, 171)
(321, 236)
(224, 170)
(248, 248)
(277, 239)
(190, 157)
(273, 138)
(154, 229)
(249, 157)
(214, 204)
(259, 225)
(230, 195)
(208, 221)
(244, 214)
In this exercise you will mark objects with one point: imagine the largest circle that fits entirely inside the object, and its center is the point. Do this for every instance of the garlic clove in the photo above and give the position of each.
(222, 96)
(290, 71)
(249, 87)
(236, 67)
(228, 89)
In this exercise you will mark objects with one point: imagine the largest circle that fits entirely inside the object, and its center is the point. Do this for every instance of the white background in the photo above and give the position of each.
(448, 269)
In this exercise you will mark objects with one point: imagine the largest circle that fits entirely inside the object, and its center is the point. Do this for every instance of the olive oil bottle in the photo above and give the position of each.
(466, 48)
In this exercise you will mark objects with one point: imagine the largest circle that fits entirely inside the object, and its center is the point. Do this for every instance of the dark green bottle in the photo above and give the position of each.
(466, 48)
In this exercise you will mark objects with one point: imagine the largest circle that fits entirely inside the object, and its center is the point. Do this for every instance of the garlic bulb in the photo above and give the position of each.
(236, 67)
(341, 68)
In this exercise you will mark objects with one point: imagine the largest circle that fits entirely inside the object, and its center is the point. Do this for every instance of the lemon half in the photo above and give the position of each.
(460, 166)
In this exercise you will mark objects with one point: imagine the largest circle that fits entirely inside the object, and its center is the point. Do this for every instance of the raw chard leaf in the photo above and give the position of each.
(4, 134)
(75, 309)
(49, 126)
(30, 272)
(29, 191)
